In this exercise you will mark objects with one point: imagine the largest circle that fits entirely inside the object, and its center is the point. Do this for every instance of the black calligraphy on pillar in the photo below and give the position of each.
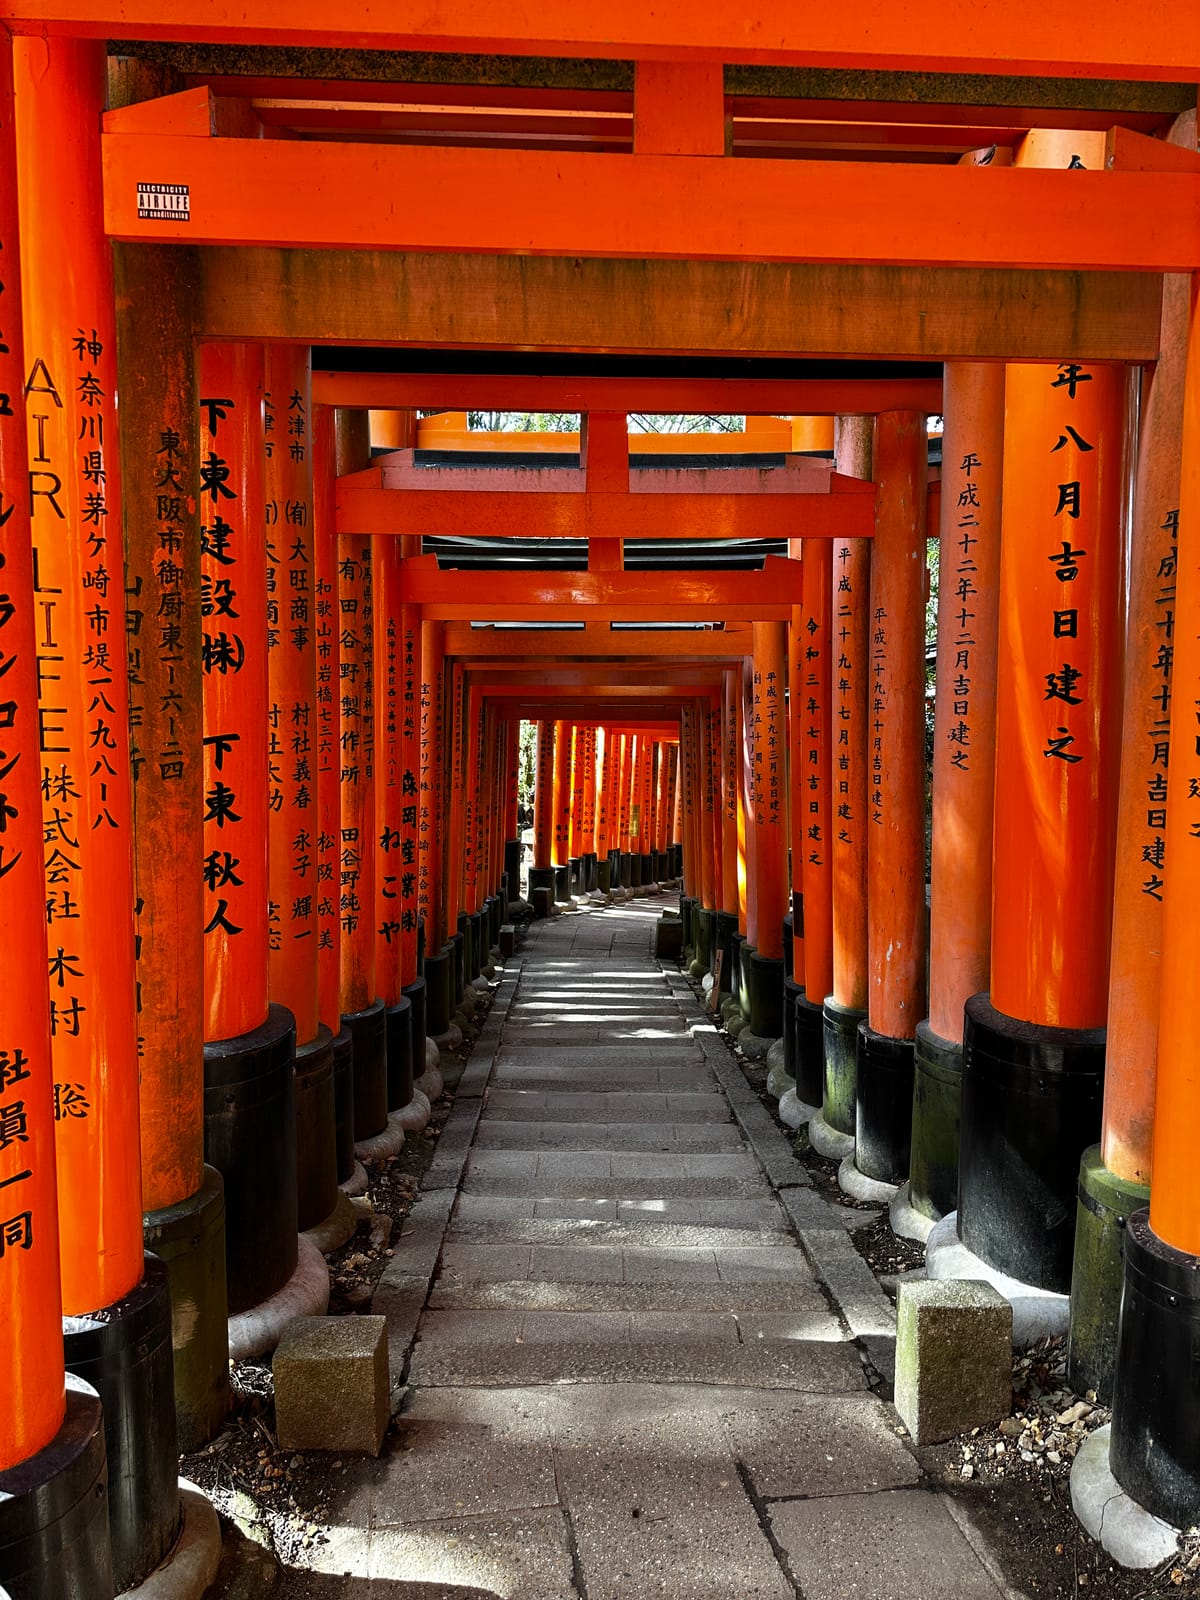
(843, 685)
(1158, 724)
(965, 571)
(1065, 684)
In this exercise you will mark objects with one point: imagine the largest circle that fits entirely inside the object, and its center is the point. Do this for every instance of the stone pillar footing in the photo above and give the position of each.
(191, 1565)
(1031, 1106)
(1037, 1313)
(829, 1142)
(54, 1541)
(1131, 1535)
(124, 1352)
(858, 1185)
(1105, 1206)
(907, 1222)
(389, 1141)
(306, 1294)
(189, 1240)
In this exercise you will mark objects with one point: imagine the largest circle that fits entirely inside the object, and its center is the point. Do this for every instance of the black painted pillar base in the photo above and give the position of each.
(368, 1029)
(513, 849)
(343, 1104)
(316, 1131)
(739, 968)
(809, 1071)
(54, 1540)
(839, 1108)
(647, 874)
(573, 883)
(189, 1240)
(703, 927)
(883, 1097)
(616, 869)
(1154, 1448)
(399, 1035)
(632, 863)
(725, 927)
(1030, 1107)
(416, 993)
(439, 993)
(562, 884)
(496, 906)
(604, 875)
(766, 996)
(480, 944)
(791, 993)
(937, 1107)
(588, 869)
(250, 1137)
(1105, 1206)
(458, 969)
(124, 1352)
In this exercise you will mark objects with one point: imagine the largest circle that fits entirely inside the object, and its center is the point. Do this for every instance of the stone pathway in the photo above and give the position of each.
(626, 1381)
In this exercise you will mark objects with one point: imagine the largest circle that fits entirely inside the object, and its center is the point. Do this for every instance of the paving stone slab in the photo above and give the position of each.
(524, 1556)
(499, 1328)
(665, 1187)
(822, 1367)
(681, 1236)
(601, 1106)
(902, 1544)
(671, 1137)
(805, 1446)
(750, 1302)
(555, 1073)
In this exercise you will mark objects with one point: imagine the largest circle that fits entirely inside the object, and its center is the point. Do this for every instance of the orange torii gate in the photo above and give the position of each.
(894, 276)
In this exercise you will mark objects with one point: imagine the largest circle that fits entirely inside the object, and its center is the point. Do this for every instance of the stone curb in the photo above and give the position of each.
(852, 1288)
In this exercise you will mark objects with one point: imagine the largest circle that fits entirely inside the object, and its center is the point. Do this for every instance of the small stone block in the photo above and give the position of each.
(953, 1357)
(543, 902)
(668, 939)
(331, 1384)
(508, 940)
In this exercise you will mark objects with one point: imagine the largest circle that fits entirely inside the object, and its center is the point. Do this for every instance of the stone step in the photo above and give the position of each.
(806, 1366)
(805, 1307)
(605, 1106)
(560, 1072)
(475, 1255)
(671, 1137)
(724, 1212)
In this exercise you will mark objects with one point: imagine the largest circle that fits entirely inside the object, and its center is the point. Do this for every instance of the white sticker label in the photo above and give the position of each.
(164, 202)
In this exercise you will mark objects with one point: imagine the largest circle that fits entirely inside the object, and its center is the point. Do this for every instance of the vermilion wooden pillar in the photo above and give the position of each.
(183, 1200)
(605, 811)
(846, 1005)
(1153, 1449)
(75, 495)
(562, 808)
(896, 802)
(541, 872)
(30, 1296)
(1115, 1178)
(963, 768)
(767, 807)
(439, 996)
(1034, 1049)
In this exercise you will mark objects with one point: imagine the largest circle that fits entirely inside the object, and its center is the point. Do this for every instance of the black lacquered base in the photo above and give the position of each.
(839, 1107)
(766, 995)
(316, 1131)
(1154, 1448)
(400, 1054)
(937, 1107)
(439, 997)
(1030, 1107)
(368, 1029)
(810, 1050)
(54, 1540)
(883, 1095)
(343, 1104)
(250, 1138)
(124, 1352)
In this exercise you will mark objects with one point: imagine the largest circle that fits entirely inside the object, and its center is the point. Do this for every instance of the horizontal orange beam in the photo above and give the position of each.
(402, 391)
(1154, 40)
(747, 308)
(685, 647)
(521, 596)
(604, 515)
(397, 470)
(327, 195)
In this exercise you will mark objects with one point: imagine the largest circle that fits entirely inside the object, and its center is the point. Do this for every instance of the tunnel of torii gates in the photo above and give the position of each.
(259, 714)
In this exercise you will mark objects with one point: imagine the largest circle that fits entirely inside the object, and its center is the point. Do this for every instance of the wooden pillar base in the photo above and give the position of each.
(883, 1098)
(316, 1139)
(399, 1046)
(1030, 1108)
(937, 1103)
(189, 1240)
(124, 1352)
(54, 1541)
(250, 1137)
(838, 1107)
(1154, 1450)
(368, 1029)
(1105, 1206)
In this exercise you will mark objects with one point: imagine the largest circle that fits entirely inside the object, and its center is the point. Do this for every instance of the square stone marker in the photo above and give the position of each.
(899, 1545)
(331, 1384)
(953, 1357)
